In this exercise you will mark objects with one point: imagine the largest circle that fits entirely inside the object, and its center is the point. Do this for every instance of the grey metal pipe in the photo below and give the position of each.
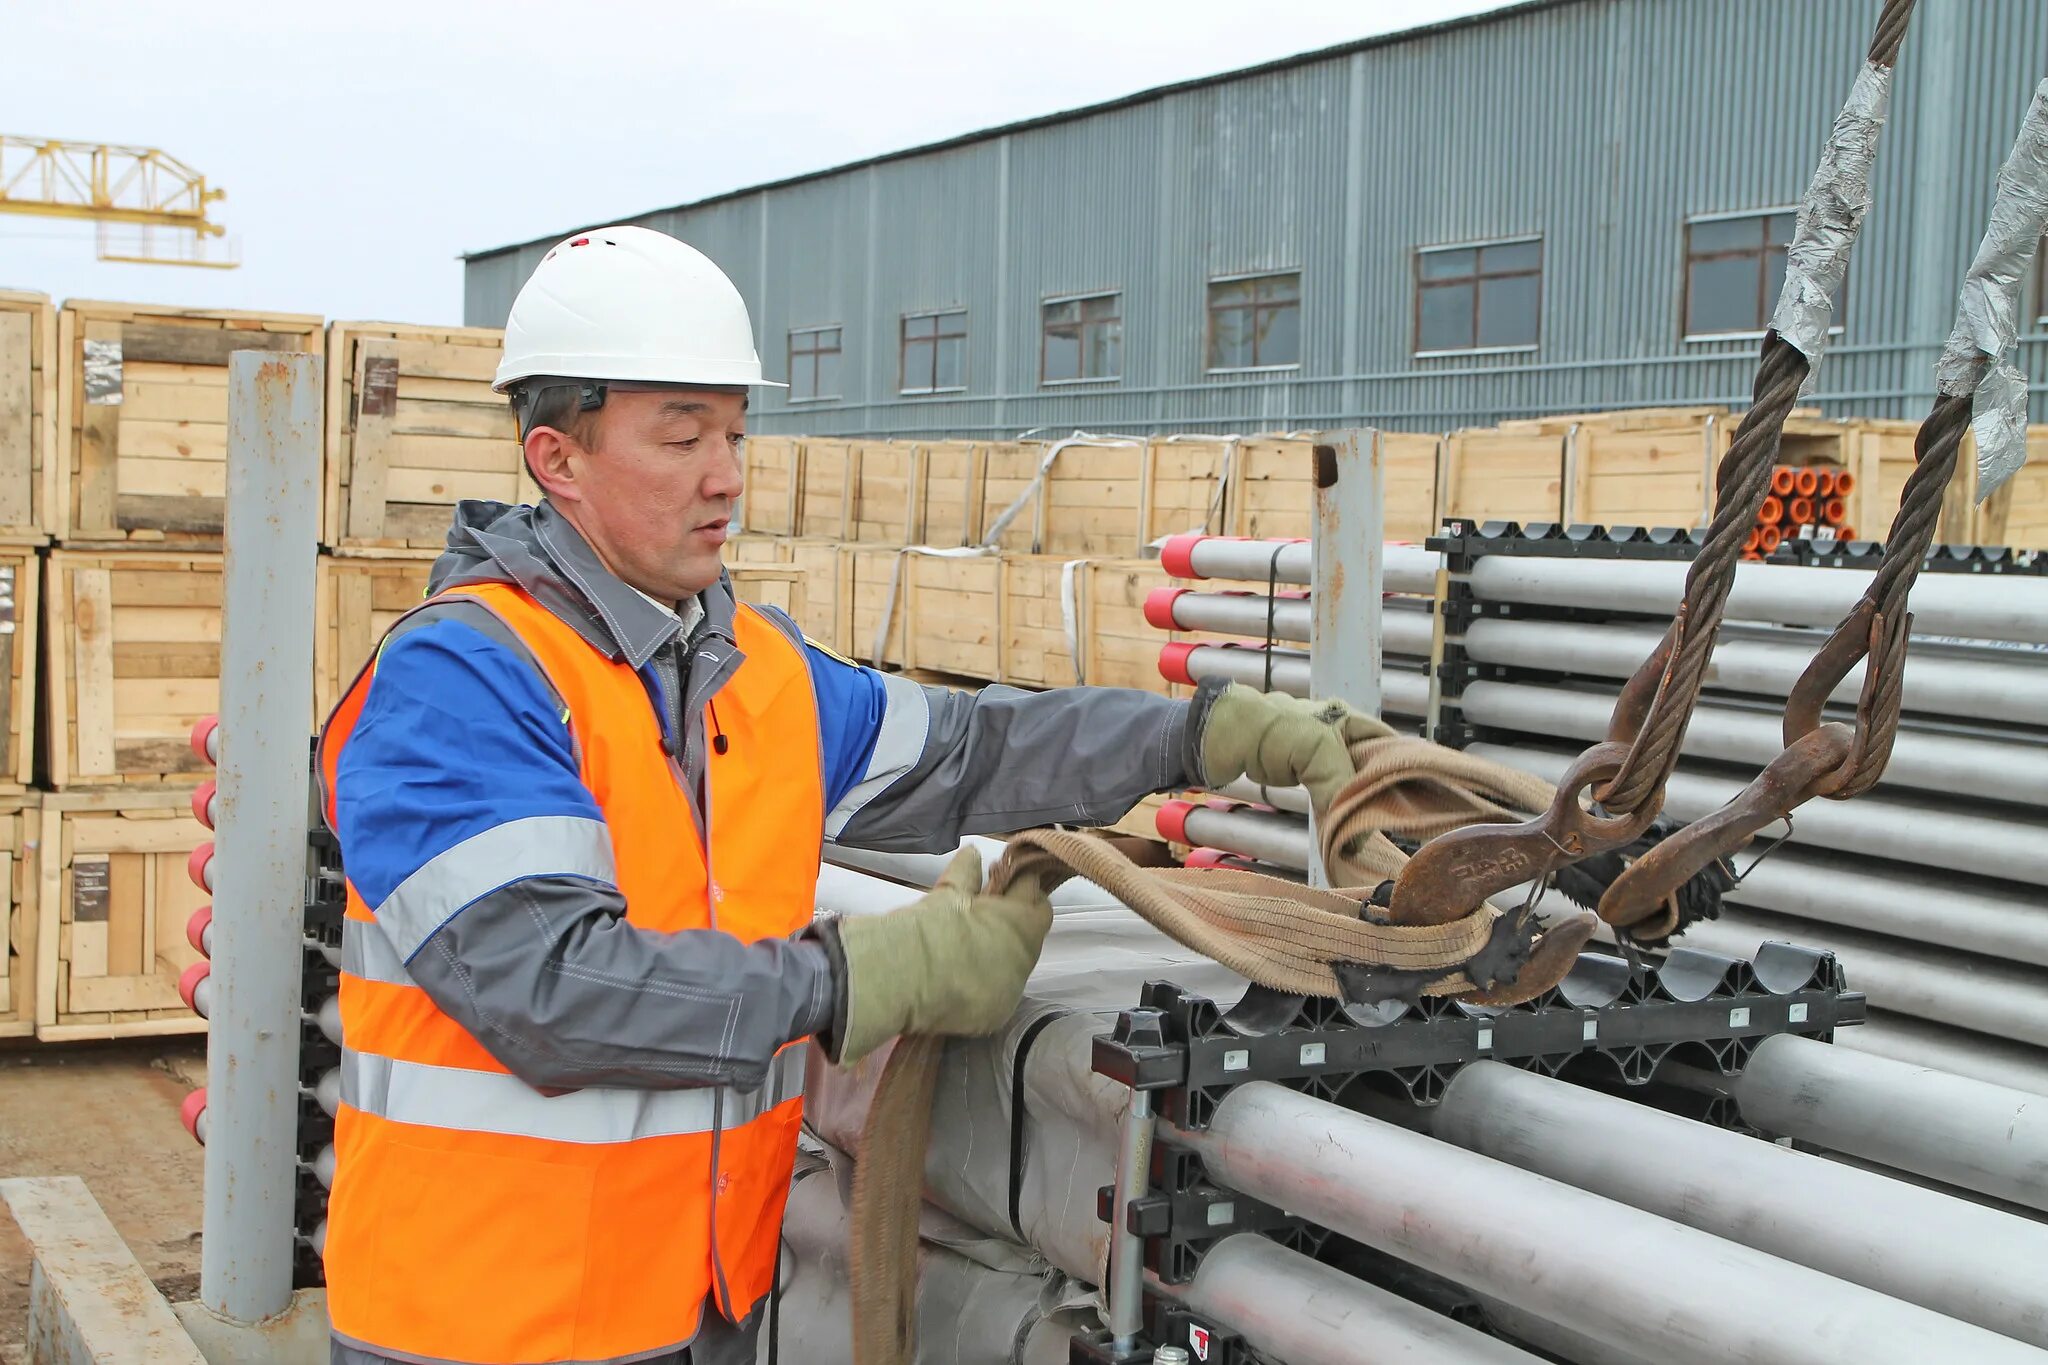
(1971, 606)
(2013, 847)
(260, 868)
(1958, 766)
(1269, 836)
(922, 870)
(1975, 684)
(1406, 568)
(1961, 1132)
(1997, 920)
(1961, 1259)
(1615, 1273)
(1306, 1313)
(1402, 693)
(1294, 799)
(1919, 1042)
(1401, 631)
(1988, 997)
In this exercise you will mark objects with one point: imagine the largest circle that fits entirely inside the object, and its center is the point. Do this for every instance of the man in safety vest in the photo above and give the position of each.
(581, 794)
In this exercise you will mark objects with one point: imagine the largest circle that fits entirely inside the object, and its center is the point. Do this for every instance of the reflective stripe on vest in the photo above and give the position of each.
(476, 1219)
(492, 1102)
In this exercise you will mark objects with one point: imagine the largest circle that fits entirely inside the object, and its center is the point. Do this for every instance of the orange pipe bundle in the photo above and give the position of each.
(1833, 510)
(1782, 480)
(1772, 512)
(1806, 482)
(1800, 513)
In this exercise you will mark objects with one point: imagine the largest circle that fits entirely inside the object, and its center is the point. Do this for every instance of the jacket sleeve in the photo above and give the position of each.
(466, 827)
(911, 768)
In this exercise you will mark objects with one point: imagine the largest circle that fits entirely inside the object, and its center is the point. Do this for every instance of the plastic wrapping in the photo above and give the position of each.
(1830, 216)
(1979, 352)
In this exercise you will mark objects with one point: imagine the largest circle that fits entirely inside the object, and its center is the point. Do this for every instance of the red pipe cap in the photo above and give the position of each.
(190, 1109)
(1172, 821)
(1159, 607)
(202, 802)
(1208, 857)
(202, 738)
(1176, 555)
(196, 927)
(1173, 661)
(197, 866)
(188, 982)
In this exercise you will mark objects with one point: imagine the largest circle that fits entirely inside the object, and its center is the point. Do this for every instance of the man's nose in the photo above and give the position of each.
(727, 475)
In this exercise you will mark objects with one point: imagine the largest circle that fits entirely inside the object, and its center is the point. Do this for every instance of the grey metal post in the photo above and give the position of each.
(252, 1082)
(1346, 574)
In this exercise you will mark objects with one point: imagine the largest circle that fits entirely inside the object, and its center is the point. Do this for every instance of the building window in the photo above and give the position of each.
(813, 364)
(935, 352)
(1081, 338)
(1255, 322)
(1483, 297)
(1734, 272)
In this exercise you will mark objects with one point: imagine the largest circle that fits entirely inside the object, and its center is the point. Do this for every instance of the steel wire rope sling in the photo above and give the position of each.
(1977, 385)
(1625, 775)
(1280, 935)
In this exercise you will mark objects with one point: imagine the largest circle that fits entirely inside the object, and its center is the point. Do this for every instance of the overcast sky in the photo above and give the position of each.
(365, 145)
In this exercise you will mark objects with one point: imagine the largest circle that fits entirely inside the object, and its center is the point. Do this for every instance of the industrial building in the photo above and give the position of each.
(1553, 207)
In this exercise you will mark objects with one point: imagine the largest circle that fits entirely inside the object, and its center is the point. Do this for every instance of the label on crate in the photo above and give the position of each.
(91, 890)
(102, 373)
(380, 385)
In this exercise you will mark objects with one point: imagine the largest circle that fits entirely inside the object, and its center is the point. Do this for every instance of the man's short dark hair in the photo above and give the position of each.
(559, 406)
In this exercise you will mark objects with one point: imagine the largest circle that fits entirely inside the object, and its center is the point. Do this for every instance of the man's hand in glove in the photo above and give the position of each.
(953, 962)
(1282, 741)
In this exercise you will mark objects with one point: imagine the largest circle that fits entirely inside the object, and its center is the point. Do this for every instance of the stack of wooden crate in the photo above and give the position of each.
(28, 439)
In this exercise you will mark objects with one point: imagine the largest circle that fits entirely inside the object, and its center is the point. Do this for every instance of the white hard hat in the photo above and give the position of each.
(629, 305)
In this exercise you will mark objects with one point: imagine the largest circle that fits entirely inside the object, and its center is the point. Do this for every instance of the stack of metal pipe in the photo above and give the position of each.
(1932, 888)
(1550, 1218)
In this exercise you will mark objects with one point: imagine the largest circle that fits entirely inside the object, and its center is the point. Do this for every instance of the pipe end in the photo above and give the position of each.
(206, 739)
(1159, 607)
(199, 866)
(191, 1112)
(189, 982)
(1176, 556)
(1173, 662)
(1172, 821)
(198, 930)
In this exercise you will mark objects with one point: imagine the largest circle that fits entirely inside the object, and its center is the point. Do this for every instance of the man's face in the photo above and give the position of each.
(654, 493)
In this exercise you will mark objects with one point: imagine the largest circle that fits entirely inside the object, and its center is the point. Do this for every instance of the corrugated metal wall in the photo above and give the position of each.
(1601, 125)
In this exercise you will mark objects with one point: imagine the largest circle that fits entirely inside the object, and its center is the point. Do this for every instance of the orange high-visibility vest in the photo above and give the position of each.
(475, 1219)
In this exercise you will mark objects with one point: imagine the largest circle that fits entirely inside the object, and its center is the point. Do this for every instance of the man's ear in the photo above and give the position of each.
(549, 458)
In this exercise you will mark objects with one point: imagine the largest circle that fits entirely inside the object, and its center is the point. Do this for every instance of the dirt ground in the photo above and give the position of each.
(108, 1114)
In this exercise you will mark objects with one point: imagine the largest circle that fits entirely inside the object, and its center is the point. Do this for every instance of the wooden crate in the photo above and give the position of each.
(753, 549)
(1187, 483)
(772, 477)
(133, 658)
(28, 416)
(953, 604)
(1090, 503)
(1881, 454)
(872, 619)
(1039, 595)
(356, 601)
(881, 492)
(824, 589)
(825, 490)
(1618, 419)
(2017, 514)
(412, 429)
(1273, 487)
(20, 834)
(1122, 647)
(142, 398)
(21, 603)
(947, 493)
(112, 901)
(1492, 475)
(1634, 475)
(771, 585)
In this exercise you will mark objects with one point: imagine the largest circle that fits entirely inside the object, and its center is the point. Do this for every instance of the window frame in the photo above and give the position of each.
(1209, 311)
(903, 340)
(790, 355)
(1081, 324)
(1685, 260)
(1476, 246)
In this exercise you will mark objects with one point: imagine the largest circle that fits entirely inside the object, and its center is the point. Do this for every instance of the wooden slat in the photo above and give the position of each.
(171, 344)
(187, 516)
(92, 644)
(469, 391)
(422, 417)
(200, 442)
(376, 361)
(141, 478)
(17, 417)
(460, 455)
(202, 377)
(434, 485)
(424, 524)
(443, 360)
(124, 919)
(165, 582)
(157, 401)
(99, 435)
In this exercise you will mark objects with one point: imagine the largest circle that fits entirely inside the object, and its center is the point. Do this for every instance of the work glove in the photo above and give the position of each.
(953, 962)
(1282, 741)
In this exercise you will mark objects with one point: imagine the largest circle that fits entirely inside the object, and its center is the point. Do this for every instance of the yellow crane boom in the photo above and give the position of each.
(140, 187)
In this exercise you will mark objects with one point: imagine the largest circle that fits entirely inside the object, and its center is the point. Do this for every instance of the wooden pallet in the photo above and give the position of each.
(132, 651)
(412, 429)
(28, 417)
(356, 600)
(112, 901)
(142, 400)
(20, 832)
